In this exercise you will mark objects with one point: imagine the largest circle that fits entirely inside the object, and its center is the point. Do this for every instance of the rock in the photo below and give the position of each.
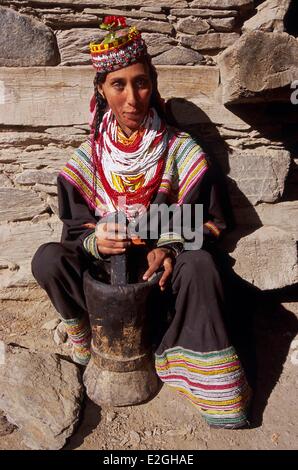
(7, 155)
(29, 177)
(57, 88)
(158, 43)
(178, 56)
(53, 204)
(58, 20)
(40, 218)
(140, 3)
(50, 143)
(42, 11)
(5, 181)
(10, 169)
(51, 324)
(193, 25)
(19, 204)
(67, 130)
(211, 41)
(283, 214)
(110, 416)
(237, 4)
(260, 175)
(112, 3)
(134, 437)
(245, 79)
(28, 42)
(41, 394)
(19, 241)
(74, 44)
(17, 139)
(224, 25)
(267, 258)
(48, 189)
(12, 267)
(123, 442)
(178, 432)
(203, 13)
(195, 104)
(60, 335)
(151, 26)
(51, 159)
(152, 9)
(5, 426)
(189, 82)
(142, 13)
(33, 147)
(270, 17)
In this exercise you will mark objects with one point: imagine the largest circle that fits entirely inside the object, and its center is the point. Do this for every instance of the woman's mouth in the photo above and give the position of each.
(133, 114)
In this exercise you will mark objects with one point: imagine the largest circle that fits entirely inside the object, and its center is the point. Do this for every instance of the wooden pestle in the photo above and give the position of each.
(119, 274)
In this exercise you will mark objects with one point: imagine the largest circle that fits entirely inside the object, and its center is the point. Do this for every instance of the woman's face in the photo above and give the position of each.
(128, 93)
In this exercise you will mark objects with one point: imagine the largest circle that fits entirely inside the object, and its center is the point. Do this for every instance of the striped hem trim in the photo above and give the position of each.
(214, 382)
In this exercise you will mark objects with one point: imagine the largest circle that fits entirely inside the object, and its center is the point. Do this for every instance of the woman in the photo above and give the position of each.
(133, 154)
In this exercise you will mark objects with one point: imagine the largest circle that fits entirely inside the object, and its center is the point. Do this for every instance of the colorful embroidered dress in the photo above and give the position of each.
(195, 355)
(156, 165)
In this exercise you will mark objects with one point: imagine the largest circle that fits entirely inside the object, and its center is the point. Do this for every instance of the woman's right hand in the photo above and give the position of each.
(112, 238)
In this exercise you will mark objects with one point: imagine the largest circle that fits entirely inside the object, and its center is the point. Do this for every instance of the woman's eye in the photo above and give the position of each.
(141, 83)
(118, 85)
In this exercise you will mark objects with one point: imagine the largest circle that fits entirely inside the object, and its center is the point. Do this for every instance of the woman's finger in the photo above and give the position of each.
(168, 269)
(112, 243)
(111, 251)
(153, 265)
(115, 236)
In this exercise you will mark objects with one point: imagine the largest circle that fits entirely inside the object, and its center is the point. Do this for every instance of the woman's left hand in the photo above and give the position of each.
(157, 258)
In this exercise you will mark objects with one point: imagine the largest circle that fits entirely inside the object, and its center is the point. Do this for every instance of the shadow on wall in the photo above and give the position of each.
(217, 150)
(256, 319)
(290, 21)
(277, 122)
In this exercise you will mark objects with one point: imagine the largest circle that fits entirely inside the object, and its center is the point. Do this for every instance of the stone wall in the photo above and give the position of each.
(225, 65)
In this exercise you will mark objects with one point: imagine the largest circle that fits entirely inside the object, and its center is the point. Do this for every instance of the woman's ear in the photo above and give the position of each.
(100, 91)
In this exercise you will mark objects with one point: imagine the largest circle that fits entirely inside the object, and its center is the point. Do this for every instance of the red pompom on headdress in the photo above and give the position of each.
(113, 21)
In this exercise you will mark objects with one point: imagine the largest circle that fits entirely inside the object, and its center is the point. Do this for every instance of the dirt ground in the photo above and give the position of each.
(168, 421)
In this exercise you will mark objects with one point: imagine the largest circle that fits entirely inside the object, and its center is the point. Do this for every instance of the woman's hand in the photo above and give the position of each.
(157, 258)
(111, 238)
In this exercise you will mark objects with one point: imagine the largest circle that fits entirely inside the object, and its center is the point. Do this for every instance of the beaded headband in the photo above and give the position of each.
(121, 47)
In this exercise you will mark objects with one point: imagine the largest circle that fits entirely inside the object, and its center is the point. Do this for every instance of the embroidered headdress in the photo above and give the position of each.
(121, 47)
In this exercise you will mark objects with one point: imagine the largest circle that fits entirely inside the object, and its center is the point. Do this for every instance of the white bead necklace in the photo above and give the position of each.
(143, 160)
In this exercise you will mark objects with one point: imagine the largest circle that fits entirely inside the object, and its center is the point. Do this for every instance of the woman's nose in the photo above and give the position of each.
(132, 97)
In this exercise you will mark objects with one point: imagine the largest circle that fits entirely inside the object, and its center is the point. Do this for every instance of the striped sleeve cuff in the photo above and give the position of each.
(90, 245)
(169, 237)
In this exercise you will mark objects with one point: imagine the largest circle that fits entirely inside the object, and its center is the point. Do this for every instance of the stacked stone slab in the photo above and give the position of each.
(176, 31)
(218, 65)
